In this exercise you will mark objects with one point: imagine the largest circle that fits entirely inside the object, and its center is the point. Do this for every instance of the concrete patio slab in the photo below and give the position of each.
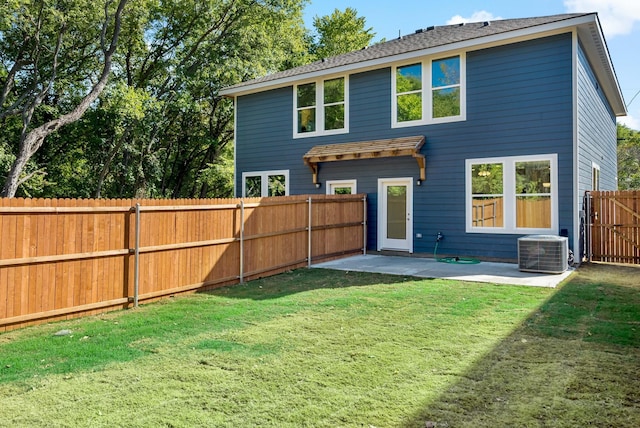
(498, 273)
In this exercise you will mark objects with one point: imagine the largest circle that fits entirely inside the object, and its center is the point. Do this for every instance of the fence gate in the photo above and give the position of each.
(613, 234)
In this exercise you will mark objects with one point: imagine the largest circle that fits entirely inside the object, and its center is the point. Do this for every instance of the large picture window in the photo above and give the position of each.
(321, 107)
(429, 91)
(265, 183)
(512, 195)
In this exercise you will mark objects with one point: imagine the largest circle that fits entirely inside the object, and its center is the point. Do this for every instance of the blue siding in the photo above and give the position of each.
(519, 102)
(596, 131)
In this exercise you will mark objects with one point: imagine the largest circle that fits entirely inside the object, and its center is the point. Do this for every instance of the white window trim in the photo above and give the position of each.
(595, 167)
(264, 181)
(332, 184)
(427, 93)
(319, 106)
(509, 194)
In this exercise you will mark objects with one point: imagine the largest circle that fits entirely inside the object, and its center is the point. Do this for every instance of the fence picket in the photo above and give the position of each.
(66, 258)
(615, 226)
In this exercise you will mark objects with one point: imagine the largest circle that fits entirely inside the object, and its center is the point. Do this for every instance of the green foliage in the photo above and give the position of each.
(216, 179)
(487, 179)
(159, 129)
(339, 33)
(446, 102)
(628, 158)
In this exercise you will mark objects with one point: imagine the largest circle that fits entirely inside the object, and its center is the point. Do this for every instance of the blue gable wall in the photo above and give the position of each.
(519, 102)
(596, 131)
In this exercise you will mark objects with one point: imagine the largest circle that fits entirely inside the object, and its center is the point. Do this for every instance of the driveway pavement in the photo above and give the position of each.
(498, 273)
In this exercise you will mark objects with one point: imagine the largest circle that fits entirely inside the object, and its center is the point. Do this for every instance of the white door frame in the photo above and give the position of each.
(394, 244)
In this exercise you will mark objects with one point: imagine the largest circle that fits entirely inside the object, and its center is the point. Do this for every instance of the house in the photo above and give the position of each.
(484, 132)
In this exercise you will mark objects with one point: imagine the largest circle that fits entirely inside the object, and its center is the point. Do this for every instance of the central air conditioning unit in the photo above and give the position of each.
(543, 253)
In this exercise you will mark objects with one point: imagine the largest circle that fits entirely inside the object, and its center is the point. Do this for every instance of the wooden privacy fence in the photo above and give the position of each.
(613, 234)
(67, 258)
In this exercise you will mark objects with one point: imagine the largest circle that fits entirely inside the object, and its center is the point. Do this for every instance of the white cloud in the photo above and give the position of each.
(630, 121)
(478, 16)
(616, 16)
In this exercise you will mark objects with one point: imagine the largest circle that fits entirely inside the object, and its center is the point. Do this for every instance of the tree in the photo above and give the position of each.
(159, 129)
(339, 33)
(190, 50)
(628, 158)
(48, 52)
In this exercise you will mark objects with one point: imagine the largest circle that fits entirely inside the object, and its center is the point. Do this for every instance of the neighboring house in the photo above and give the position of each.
(484, 132)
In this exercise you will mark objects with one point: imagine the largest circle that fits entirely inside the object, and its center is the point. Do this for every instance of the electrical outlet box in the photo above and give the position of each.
(418, 235)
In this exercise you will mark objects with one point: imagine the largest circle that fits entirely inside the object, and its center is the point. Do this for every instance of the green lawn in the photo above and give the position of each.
(319, 348)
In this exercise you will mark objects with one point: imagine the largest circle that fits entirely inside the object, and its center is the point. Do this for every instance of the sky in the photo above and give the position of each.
(620, 21)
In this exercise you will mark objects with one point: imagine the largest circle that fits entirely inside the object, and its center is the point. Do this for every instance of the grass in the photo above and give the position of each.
(327, 348)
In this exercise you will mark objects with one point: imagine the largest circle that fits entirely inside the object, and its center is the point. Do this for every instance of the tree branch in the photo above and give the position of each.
(33, 140)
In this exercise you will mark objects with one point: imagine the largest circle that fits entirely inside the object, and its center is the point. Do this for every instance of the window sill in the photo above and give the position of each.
(428, 122)
(321, 133)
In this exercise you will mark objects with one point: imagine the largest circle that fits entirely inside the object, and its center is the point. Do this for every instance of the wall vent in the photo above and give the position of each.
(543, 253)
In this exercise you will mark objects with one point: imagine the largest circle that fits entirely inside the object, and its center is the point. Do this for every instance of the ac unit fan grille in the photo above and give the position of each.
(544, 253)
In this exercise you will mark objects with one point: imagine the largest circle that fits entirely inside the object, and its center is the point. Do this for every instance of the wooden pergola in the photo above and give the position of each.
(393, 147)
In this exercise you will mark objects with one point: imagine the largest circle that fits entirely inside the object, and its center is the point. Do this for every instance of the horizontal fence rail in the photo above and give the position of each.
(614, 226)
(62, 258)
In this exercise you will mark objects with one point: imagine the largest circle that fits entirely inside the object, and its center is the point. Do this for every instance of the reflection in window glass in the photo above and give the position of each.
(445, 72)
(409, 93)
(409, 78)
(342, 190)
(396, 212)
(341, 187)
(488, 195)
(533, 194)
(445, 84)
(446, 102)
(253, 187)
(334, 117)
(277, 185)
(265, 183)
(334, 104)
(307, 120)
(334, 90)
(409, 107)
(306, 101)
(523, 190)
(307, 95)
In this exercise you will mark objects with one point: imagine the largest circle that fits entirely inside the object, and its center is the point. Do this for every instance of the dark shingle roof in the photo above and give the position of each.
(428, 38)
(451, 37)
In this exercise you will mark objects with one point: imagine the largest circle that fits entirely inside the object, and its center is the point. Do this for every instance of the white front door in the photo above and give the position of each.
(395, 214)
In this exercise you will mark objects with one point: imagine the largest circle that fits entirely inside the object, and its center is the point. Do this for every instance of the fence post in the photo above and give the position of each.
(364, 225)
(589, 227)
(309, 236)
(242, 241)
(136, 263)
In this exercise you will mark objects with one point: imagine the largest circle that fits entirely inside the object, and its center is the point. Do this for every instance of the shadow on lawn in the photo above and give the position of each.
(574, 362)
(301, 280)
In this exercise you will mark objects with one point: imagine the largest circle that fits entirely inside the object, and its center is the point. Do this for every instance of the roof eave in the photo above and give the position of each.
(588, 27)
(595, 47)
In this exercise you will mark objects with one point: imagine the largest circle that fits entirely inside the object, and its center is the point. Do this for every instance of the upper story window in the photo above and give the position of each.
(430, 91)
(321, 107)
